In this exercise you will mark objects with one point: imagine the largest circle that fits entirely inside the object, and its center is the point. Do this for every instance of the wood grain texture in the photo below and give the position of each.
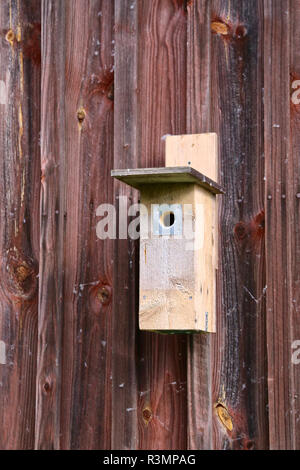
(124, 321)
(19, 215)
(293, 210)
(199, 387)
(88, 261)
(161, 95)
(282, 69)
(161, 77)
(239, 360)
(47, 432)
(76, 284)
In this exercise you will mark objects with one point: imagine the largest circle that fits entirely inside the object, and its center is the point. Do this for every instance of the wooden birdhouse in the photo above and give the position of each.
(178, 236)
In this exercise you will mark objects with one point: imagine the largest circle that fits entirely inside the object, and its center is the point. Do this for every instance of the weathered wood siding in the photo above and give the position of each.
(91, 85)
(20, 103)
(282, 202)
(240, 368)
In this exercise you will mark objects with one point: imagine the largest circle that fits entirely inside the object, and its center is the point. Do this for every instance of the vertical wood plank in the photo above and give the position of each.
(89, 75)
(47, 432)
(161, 95)
(198, 66)
(239, 360)
(199, 399)
(282, 229)
(124, 381)
(77, 151)
(19, 213)
(293, 211)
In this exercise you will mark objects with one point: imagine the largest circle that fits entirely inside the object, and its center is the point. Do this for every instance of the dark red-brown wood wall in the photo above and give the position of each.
(91, 85)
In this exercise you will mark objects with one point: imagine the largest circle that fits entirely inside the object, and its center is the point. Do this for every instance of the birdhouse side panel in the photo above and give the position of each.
(206, 260)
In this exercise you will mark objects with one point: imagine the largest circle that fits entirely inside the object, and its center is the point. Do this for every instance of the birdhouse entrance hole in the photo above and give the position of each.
(167, 219)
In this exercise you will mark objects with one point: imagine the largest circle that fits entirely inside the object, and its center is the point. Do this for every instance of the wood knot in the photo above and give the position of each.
(224, 416)
(147, 415)
(10, 37)
(218, 27)
(81, 115)
(102, 85)
(223, 29)
(241, 31)
(47, 385)
(20, 275)
(104, 294)
(249, 445)
(240, 230)
(253, 230)
(100, 296)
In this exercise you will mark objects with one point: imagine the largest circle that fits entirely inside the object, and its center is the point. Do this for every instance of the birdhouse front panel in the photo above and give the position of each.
(177, 258)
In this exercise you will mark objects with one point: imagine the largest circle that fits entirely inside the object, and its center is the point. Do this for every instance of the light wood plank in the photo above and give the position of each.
(196, 150)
